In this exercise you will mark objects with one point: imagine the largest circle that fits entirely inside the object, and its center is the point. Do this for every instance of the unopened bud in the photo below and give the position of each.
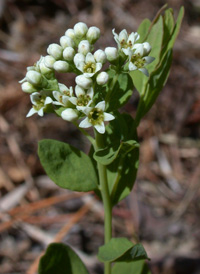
(49, 61)
(34, 77)
(55, 50)
(111, 53)
(70, 33)
(80, 30)
(102, 78)
(83, 82)
(100, 56)
(69, 114)
(84, 47)
(93, 34)
(66, 41)
(28, 87)
(61, 66)
(68, 53)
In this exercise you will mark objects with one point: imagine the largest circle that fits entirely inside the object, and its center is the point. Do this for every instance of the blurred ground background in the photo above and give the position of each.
(164, 208)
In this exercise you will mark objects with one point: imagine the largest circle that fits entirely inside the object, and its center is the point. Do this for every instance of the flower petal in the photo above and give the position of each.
(100, 128)
(145, 71)
(108, 116)
(101, 105)
(131, 66)
(85, 123)
(31, 112)
(89, 58)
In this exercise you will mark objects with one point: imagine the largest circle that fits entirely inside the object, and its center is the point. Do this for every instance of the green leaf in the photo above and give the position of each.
(143, 30)
(113, 250)
(136, 267)
(107, 155)
(121, 249)
(67, 166)
(61, 259)
(122, 171)
(120, 93)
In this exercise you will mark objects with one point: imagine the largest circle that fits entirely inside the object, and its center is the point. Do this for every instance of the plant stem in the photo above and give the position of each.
(106, 199)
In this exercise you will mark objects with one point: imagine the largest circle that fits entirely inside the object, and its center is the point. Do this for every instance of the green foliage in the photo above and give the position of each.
(161, 35)
(119, 90)
(67, 166)
(121, 172)
(60, 258)
(121, 249)
(135, 267)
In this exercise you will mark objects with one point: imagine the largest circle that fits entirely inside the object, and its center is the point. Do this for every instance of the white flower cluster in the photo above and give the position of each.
(135, 53)
(75, 54)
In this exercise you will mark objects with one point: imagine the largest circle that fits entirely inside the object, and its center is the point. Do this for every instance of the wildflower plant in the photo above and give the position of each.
(105, 81)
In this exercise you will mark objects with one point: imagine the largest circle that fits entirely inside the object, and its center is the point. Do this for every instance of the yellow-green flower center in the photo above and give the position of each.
(137, 60)
(39, 104)
(83, 100)
(96, 116)
(89, 68)
(124, 44)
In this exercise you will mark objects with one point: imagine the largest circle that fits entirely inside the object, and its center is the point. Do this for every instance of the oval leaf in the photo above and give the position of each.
(137, 267)
(67, 166)
(113, 250)
(60, 258)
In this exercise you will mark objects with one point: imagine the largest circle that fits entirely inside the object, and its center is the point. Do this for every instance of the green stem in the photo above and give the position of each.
(106, 199)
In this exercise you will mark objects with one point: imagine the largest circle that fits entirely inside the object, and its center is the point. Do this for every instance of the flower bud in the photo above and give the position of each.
(66, 41)
(68, 53)
(102, 78)
(55, 50)
(93, 34)
(80, 30)
(43, 68)
(34, 77)
(69, 114)
(61, 66)
(49, 61)
(111, 53)
(28, 87)
(100, 56)
(83, 82)
(84, 47)
(70, 33)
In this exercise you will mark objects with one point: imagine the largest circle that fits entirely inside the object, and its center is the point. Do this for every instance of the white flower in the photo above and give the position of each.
(63, 96)
(39, 103)
(93, 34)
(83, 96)
(79, 57)
(28, 87)
(83, 82)
(95, 117)
(88, 66)
(80, 30)
(124, 40)
(55, 50)
(84, 47)
(66, 41)
(61, 66)
(100, 56)
(68, 53)
(34, 77)
(138, 57)
(102, 78)
(69, 114)
(111, 53)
